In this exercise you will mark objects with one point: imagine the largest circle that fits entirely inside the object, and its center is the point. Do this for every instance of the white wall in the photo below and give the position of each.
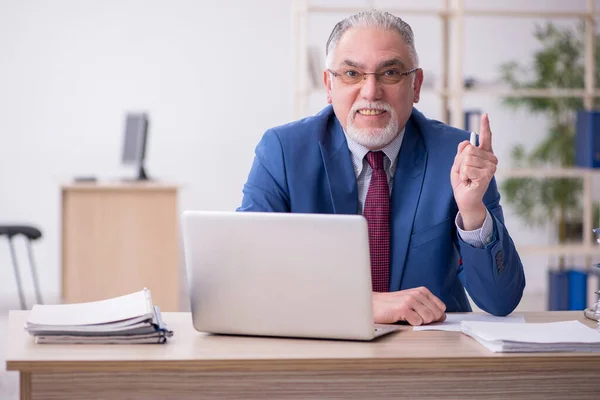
(212, 75)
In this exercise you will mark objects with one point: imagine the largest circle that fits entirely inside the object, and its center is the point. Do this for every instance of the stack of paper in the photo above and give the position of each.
(128, 319)
(534, 337)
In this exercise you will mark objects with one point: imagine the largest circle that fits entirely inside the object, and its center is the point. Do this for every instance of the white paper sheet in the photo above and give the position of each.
(534, 337)
(453, 321)
(122, 308)
(550, 332)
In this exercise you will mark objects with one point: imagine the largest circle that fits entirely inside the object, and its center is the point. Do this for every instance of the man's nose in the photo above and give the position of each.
(371, 88)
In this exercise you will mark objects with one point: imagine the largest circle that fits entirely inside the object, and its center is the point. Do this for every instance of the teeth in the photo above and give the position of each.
(370, 112)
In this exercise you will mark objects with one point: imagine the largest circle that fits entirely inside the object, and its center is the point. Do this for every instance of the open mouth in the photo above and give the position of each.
(370, 111)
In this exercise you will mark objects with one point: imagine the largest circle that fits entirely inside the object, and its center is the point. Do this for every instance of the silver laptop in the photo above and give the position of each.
(280, 274)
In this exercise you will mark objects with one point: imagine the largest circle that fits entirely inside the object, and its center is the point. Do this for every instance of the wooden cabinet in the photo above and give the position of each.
(119, 238)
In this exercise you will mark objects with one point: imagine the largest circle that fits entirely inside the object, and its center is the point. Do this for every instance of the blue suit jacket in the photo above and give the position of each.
(306, 167)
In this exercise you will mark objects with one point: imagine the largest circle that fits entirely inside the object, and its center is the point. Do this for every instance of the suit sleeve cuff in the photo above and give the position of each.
(478, 238)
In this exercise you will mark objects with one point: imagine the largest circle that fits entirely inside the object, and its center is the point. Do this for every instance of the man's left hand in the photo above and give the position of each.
(473, 169)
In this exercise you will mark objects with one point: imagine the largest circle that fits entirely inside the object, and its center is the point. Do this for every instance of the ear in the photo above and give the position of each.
(417, 83)
(327, 82)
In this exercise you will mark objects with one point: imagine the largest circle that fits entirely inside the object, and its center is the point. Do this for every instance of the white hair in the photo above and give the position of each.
(367, 19)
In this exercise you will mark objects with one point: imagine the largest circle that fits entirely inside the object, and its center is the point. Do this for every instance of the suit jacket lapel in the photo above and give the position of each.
(408, 180)
(339, 171)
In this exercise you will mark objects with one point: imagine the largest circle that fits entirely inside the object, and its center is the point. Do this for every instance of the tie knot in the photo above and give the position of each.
(375, 159)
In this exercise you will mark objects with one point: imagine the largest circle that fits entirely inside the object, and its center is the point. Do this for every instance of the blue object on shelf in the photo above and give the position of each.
(577, 290)
(558, 290)
(587, 139)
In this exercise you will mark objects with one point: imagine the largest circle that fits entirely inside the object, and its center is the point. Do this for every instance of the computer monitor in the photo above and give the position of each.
(134, 142)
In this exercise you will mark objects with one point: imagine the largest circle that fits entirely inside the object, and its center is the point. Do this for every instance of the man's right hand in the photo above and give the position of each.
(416, 306)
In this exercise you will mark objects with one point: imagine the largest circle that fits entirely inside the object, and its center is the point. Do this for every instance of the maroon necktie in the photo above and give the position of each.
(377, 213)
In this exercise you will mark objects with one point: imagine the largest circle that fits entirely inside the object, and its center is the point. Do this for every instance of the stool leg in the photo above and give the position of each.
(17, 275)
(36, 284)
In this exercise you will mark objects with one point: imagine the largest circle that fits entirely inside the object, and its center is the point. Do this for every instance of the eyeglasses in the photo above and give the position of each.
(388, 76)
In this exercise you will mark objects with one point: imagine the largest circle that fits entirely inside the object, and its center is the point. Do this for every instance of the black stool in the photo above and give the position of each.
(31, 234)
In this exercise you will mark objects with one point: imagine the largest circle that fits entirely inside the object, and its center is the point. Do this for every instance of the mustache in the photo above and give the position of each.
(379, 105)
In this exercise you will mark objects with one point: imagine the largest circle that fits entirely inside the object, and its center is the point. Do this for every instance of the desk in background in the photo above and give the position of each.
(404, 364)
(118, 238)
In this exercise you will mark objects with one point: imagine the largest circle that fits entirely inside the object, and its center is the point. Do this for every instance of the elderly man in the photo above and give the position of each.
(430, 198)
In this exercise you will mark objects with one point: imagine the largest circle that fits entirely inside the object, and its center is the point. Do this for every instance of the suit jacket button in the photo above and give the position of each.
(499, 261)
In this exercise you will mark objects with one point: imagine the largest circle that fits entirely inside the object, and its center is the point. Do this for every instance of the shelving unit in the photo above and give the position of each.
(588, 248)
(453, 91)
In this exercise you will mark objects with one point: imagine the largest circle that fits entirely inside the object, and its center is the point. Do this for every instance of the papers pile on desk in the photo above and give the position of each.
(129, 319)
(534, 337)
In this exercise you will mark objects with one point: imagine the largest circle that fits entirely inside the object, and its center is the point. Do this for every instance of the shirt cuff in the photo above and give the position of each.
(478, 238)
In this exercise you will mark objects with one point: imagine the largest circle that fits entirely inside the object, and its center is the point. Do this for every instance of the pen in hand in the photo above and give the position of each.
(473, 140)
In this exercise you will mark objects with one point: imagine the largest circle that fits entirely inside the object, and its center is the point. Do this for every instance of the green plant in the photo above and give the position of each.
(558, 64)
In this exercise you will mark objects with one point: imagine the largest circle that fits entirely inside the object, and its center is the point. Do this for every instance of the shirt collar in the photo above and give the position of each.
(391, 151)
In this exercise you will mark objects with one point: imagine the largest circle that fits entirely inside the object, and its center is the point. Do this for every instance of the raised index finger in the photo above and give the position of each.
(485, 134)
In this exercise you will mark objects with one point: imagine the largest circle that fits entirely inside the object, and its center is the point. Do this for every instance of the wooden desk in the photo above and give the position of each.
(404, 364)
(118, 238)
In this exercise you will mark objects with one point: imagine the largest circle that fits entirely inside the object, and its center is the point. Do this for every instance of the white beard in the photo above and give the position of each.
(372, 138)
